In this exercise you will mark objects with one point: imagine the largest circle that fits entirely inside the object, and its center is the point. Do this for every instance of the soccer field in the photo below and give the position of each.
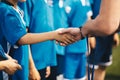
(113, 72)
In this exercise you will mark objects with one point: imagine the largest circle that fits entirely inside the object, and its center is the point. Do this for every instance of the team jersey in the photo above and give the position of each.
(60, 21)
(39, 14)
(76, 17)
(12, 29)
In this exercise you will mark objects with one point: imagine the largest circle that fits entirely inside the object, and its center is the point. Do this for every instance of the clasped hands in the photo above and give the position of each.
(68, 36)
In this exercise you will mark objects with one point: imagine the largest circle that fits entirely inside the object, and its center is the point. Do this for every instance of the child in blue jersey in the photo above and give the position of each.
(13, 30)
(41, 20)
(101, 56)
(75, 54)
(60, 21)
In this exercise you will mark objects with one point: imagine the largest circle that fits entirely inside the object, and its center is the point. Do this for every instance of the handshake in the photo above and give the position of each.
(68, 36)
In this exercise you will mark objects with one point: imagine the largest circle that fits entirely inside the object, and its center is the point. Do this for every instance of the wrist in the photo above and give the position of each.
(54, 35)
(81, 33)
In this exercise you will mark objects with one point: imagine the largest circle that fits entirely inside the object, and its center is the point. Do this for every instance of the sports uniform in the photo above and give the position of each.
(12, 28)
(75, 54)
(39, 18)
(102, 54)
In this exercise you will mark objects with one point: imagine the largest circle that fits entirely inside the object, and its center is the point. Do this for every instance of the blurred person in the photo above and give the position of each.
(39, 18)
(18, 38)
(69, 12)
(60, 21)
(75, 54)
(101, 55)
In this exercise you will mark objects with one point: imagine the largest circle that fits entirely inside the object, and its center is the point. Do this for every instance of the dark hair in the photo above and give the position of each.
(2, 0)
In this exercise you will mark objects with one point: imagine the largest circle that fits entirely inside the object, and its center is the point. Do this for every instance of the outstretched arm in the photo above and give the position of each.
(31, 38)
(106, 23)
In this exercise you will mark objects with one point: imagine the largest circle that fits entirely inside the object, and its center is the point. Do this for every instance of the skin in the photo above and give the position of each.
(106, 23)
(10, 66)
(32, 38)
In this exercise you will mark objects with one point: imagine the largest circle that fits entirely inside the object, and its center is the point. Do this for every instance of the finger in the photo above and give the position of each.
(65, 31)
(66, 42)
(70, 38)
(19, 67)
(63, 44)
(57, 42)
(14, 60)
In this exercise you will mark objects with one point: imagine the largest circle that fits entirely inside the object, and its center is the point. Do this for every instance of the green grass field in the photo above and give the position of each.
(113, 72)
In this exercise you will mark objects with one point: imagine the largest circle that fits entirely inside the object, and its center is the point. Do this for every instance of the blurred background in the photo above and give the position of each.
(113, 71)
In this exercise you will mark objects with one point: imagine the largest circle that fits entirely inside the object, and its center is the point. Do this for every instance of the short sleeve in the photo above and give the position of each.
(12, 28)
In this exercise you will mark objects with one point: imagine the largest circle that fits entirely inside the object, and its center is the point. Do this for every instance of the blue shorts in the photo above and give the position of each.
(75, 66)
(102, 54)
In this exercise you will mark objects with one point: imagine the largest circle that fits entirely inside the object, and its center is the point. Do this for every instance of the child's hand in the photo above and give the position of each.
(64, 39)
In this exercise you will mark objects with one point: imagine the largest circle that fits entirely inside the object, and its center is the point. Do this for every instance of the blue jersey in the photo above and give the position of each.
(40, 19)
(60, 21)
(76, 18)
(2, 54)
(12, 29)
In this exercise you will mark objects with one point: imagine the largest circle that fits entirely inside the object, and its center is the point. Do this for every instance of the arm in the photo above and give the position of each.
(33, 74)
(9, 66)
(31, 38)
(107, 21)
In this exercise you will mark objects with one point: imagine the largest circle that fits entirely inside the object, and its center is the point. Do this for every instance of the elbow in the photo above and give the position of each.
(23, 41)
(110, 28)
(20, 42)
(107, 27)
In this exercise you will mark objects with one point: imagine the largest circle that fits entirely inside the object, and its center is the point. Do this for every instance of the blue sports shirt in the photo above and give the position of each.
(39, 16)
(12, 29)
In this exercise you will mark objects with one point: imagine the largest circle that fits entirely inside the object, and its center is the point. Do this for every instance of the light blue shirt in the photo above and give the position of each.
(76, 18)
(40, 19)
(60, 21)
(12, 29)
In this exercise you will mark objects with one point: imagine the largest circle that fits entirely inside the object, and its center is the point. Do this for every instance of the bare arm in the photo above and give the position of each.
(107, 21)
(31, 38)
(33, 73)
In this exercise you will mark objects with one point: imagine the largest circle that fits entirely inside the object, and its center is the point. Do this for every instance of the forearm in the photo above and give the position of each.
(32, 38)
(107, 21)
(31, 62)
(98, 28)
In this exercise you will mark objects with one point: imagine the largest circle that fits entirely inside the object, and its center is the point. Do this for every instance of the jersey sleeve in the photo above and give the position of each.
(13, 29)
